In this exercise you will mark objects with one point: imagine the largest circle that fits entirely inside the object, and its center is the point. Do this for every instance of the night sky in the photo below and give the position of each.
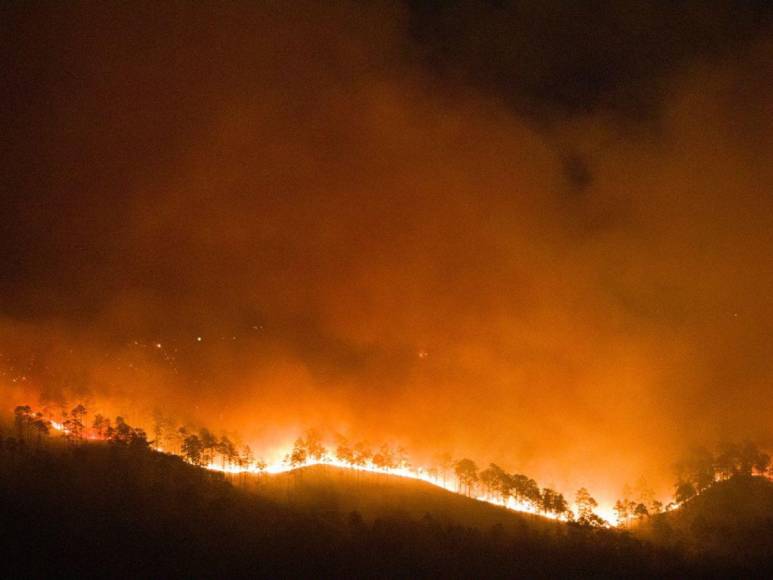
(537, 232)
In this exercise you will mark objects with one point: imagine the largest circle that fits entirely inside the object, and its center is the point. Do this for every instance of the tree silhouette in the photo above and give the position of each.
(751, 459)
(100, 426)
(384, 458)
(488, 480)
(685, 490)
(586, 505)
(122, 432)
(40, 426)
(209, 445)
(298, 454)
(698, 467)
(74, 424)
(227, 451)
(546, 500)
(621, 511)
(445, 463)
(361, 454)
(138, 440)
(315, 450)
(727, 460)
(466, 474)
(641, 511)
(496, 481)
(560, 505)
(344, 452)
(192, 448)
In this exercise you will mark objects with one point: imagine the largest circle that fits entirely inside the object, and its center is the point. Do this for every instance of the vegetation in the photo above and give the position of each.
(117, 510)
(101, 498)
(107, 466)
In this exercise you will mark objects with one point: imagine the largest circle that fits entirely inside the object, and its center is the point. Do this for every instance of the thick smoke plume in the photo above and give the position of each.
(264, 219)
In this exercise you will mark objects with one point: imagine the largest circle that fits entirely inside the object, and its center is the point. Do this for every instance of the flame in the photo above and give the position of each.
(418, 474)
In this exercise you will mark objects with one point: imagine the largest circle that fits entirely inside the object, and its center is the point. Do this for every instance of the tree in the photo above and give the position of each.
(191, 448)
(138, 440)
(298, 454)
(751, 459)
(74, 424)
(586, 505)
(685, 490)
(698, 467)
(488, 478)
(466, 474)
(553, 502)
(246, 457)
(560, 505)
(384, 458)
(621, 511)
(315, 450)
(100, 425)
(344, 452)
(227, 451)
(209, 444)
(361, 454)
(40, 426)
(496, 481)
(445, 463)
(401, 459)
(529, 490)
(727, 460)
(641, 511)
(122, 433)
(519, 482)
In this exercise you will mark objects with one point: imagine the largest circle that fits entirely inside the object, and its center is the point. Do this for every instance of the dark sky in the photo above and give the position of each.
(538, 232)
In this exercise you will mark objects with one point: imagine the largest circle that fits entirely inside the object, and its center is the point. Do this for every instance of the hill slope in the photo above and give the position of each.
(732, 520)
(108, 510)
(327, 489)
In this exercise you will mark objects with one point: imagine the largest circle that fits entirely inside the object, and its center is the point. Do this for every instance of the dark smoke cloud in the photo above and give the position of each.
(267, 218)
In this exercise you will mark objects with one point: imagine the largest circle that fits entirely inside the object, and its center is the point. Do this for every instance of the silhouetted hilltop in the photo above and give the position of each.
(117, 511)
(731, 520)
(327, 489)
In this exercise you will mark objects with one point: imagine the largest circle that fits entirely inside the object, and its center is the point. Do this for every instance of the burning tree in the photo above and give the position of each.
(74, 424)
(192, 448)
(361, 454)
(298, 454)
(467, 475)
(344, 452)
(586, 505)
(315, 450)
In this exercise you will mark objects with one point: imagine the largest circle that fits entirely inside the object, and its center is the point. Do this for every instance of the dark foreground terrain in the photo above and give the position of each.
(112, 511)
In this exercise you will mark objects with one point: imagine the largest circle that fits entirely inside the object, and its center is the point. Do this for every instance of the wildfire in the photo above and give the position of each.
(404, 470)
(418, 474)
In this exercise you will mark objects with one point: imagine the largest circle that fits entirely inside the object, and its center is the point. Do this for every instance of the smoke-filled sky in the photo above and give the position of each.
(536, 233)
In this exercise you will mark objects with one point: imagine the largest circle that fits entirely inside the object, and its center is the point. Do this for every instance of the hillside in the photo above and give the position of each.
(731, 520)
(110, 510)
(327, 489)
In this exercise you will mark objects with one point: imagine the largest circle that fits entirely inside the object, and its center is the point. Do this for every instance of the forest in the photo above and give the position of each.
(99, 497)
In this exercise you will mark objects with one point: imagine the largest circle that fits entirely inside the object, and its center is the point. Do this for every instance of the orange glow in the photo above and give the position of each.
(416, 473)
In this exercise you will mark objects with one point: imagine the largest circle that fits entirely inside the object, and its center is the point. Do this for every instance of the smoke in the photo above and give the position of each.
(264, 219)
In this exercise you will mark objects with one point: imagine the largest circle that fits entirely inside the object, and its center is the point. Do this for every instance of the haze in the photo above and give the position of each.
(264, 219)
